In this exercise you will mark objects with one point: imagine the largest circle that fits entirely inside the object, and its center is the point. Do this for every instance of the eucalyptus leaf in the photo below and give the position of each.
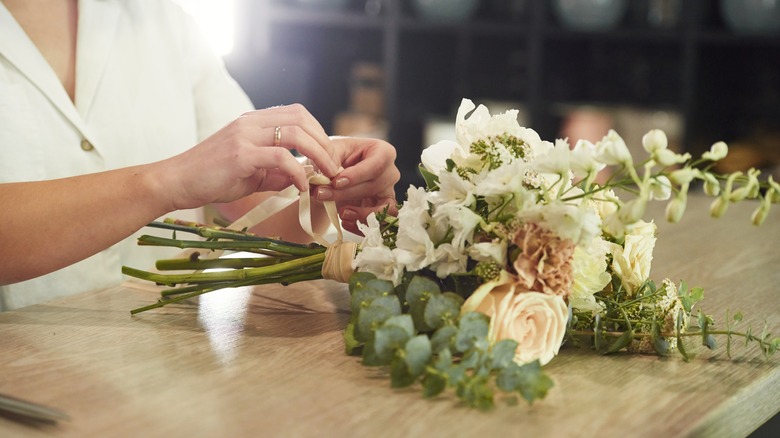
(370, 318)
(441, 310)
(434, 383)
(472, 326)
(418, 354)
(359, 279)
(443, 338)
(400, 377)
(502, 354)
(387, 339)
(418, 293)
(350, 343)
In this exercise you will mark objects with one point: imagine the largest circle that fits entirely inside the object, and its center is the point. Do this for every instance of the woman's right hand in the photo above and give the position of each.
(241, 159)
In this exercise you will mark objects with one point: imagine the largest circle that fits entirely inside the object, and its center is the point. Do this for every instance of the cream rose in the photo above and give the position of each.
(631, 262)
(536, 321)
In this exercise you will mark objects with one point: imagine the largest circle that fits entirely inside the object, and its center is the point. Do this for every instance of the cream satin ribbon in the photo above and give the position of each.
(338, 255)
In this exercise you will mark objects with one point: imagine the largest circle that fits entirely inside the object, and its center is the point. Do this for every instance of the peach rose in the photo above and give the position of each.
(536, 321)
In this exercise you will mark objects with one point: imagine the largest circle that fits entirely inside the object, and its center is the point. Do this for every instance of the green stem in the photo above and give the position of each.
(274, 246)
(226, 263)
(234, 275)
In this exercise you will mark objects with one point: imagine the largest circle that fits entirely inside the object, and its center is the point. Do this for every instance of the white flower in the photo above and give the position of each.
(631, 262)
(613, 150)
(572, 222)
(536, 321)
(374, 256)
(590, 272)
(434, 157)
(718, 151)
(660, 188)
(583, 159)
(414, 248)
(655, 140)
(556, 160)
(605, 203)
(453, 188)
(667, 157)
(489, 251)
(447, 259)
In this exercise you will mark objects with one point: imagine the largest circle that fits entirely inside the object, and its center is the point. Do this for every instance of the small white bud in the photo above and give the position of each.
(718, 151)
(711, 184)
(719, 206)
(675, 209)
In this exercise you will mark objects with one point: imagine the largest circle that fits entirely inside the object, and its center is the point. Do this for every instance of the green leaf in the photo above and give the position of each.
(419, 291)
(502, 354)
(709, 342)
(387, 340)
(444, 361)
(400, 377)
(359, 279)
(369, 355)
(362, 298)
(350, 343)
(529, 380)
(660, 345)
(374, 315)
(418, 354)
(738, 317)
(441, 310)
(434, 384)
(431, 179)
(621, 342)
(443, 338)
(472, 326)
(382, 286)
(403, 321)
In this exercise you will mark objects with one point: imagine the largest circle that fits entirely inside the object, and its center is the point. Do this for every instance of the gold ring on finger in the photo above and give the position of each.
(277, 136)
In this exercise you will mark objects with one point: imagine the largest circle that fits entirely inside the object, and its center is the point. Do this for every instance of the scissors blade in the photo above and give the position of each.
(31, 410)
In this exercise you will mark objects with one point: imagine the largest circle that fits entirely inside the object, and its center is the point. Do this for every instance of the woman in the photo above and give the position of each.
(100, 101)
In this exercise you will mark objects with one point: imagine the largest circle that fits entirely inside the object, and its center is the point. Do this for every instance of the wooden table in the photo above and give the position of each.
(269, 361)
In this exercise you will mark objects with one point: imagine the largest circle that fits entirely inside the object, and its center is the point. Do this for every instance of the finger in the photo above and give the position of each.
(278, 164)
(381, 186)
(294, 137)
(363, 160)
(297, 115)
(354, 213)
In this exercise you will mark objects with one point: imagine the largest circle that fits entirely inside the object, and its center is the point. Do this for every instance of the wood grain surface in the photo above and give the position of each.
(269, 361)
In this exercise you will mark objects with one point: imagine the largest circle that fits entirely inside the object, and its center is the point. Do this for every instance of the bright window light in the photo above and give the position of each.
(217, 19)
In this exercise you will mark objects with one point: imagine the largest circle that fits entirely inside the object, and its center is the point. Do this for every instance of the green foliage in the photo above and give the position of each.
(426, 340)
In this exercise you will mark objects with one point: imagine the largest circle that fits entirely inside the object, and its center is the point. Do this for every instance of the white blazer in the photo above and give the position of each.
(147, 87)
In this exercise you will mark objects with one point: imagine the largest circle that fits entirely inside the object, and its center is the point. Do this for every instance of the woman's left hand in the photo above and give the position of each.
(367, 183)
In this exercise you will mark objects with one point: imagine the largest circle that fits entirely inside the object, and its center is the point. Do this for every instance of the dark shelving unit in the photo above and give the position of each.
(723, 84)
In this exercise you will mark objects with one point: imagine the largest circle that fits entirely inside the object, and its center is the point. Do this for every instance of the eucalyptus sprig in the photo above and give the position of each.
(418, 331)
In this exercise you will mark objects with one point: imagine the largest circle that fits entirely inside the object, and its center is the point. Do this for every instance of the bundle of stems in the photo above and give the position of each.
(269, 261)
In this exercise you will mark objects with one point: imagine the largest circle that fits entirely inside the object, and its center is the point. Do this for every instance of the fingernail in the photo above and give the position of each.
(341, 182)
(324, 193)
(348, 214)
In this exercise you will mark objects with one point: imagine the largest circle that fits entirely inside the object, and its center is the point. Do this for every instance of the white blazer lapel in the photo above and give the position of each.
(20, 51)
(95, 18)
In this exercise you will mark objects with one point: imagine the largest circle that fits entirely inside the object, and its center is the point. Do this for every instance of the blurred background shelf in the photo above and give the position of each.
(377, 67)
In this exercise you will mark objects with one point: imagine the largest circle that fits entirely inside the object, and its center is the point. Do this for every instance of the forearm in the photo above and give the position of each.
(48, 225)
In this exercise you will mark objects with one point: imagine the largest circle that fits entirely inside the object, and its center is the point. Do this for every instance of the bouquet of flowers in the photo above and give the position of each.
(513, 247)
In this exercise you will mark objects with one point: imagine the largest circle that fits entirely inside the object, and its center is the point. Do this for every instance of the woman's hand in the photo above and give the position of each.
(248, 156)
(367, 183)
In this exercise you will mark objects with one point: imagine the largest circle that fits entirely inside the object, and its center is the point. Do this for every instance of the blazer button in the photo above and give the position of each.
(86, 145)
